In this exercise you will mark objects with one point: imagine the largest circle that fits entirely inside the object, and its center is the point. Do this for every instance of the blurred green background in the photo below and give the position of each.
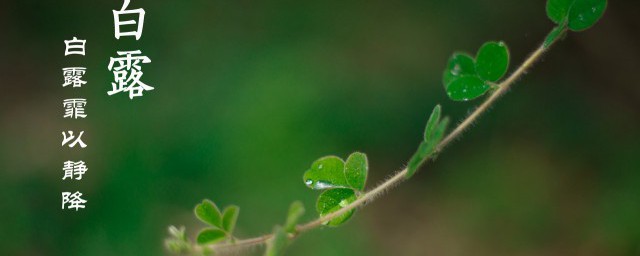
(249, 93)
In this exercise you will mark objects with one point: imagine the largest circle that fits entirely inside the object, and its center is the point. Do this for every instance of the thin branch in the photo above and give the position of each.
(399, 177)
(244, 243)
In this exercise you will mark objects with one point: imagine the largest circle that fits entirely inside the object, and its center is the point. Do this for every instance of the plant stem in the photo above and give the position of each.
(399, 177)
(244, 243)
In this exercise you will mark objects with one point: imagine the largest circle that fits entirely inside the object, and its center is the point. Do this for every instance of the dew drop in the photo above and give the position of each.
(323, 185)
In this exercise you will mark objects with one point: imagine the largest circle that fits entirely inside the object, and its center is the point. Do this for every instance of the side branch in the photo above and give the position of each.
(399, 177)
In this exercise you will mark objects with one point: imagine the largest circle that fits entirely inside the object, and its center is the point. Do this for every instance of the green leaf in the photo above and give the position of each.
(436, 138)
(326, 172)
(427, 148)
(176, 246)
(229, 218)
(208, 213)
(433, 122)
(579, 14)
(335, 199)
(492, 61)
(177, 232)
(438, 133)
(177, 242)
(417, 159)
(466, 88)
(459, 64)
(278, 243)
(558, 10)
(355, 170)
(210, 236)
(554, 35)
(296, 210)
(585, 13)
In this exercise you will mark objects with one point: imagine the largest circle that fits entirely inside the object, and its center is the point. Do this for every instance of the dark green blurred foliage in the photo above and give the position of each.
(249, 93)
